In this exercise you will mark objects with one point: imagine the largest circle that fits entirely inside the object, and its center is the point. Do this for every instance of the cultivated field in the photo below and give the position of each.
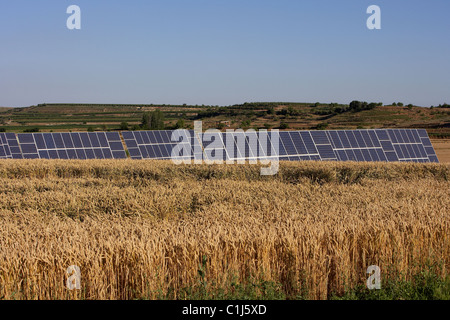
(155, 230)
(442, 148)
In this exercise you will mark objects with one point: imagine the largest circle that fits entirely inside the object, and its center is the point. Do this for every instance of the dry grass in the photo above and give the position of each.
(141, 229)
(442, 148)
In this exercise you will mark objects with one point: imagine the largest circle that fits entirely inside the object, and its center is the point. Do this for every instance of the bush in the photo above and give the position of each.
(322, 126)
(124, 126)
(31, 130)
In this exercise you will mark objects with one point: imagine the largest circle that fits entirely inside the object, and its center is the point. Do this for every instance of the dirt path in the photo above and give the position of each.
(442, 147)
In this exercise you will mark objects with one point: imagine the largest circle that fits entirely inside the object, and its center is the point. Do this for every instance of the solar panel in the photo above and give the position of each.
(73, 145)
(9, 147)
(162, 145)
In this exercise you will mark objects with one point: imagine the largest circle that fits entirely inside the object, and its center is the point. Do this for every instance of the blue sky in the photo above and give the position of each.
(224, 52)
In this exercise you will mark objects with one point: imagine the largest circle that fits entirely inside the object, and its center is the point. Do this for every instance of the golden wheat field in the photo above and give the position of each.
(144, 229)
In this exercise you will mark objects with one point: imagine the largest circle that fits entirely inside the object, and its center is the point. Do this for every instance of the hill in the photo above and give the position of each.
(283, 115)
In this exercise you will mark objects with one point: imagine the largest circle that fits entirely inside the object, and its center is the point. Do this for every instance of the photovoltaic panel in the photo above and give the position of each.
(343, 145)
(9, 148)
(162, 145)
(72, 145)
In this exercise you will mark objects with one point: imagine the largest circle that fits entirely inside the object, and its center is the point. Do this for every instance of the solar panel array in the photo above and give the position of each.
(9, 147)
(162, 145)
(73, 145)
(411, 145)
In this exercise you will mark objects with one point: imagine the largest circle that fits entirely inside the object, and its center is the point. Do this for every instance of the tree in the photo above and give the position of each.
(284, 125)
(322, 126)
(124, 126)
(157, 120)
(246, 123)
(271, 110)
(31, 130)
(145, 123)
(153, 120)
(180, 124)
(355, 106)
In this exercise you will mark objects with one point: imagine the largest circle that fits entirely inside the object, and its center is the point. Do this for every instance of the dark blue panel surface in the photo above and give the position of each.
(148, 137)
(326, 152)
(98, 153)
(127, 135)
(392, 136)
(67, 140)
(287, 143)
(367, 139)
(76, 140)
(112, 136)
(387, 146)
(89, 153)
(85, 140)
(422, 133)
(80, 154)
(426, 142)
(298, 143)
(26, 138)
(59, 143)
(62, 154)
(116, 146)
(374, 138)
(28, 148)
(381, 155)
(366, 155)
(107, 154)
(43, 154)
(343, 137)
(309, 143)
(320, 137)
(359, 155)
(430, 151)
(135, 153)
(359, 139)
(72, 154)
(94, 140)
(352, 139)
(40, 143)
(374, 155)
(335, 140)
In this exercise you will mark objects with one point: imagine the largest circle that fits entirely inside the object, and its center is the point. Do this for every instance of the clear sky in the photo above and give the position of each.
(224, 52)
